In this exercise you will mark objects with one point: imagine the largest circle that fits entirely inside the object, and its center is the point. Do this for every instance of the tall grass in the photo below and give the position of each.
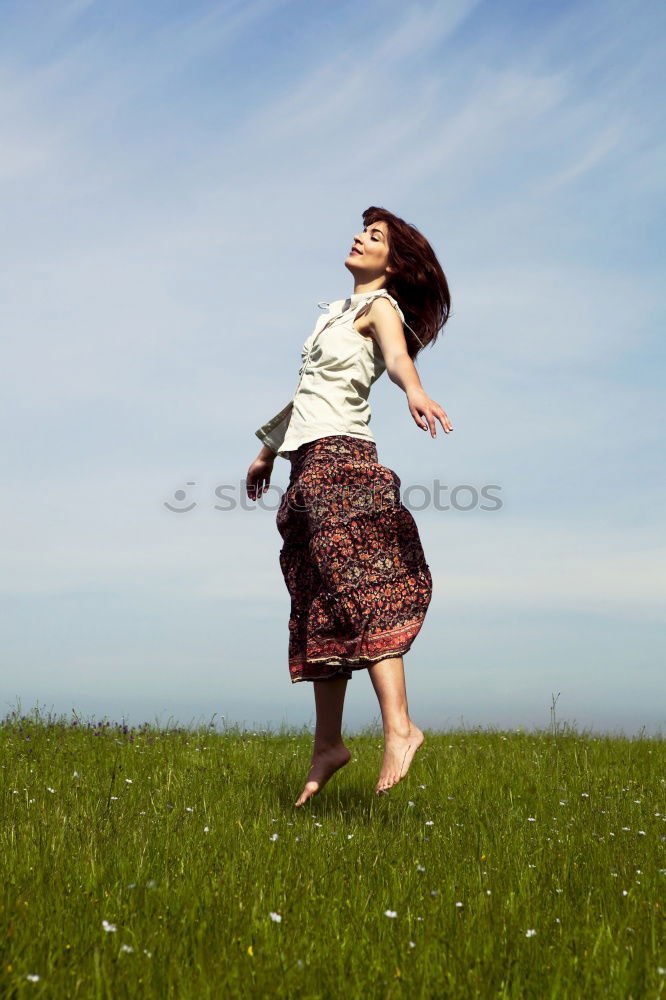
(171, 862)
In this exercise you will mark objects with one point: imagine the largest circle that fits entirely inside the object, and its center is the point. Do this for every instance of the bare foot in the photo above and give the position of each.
(398, 755)
(324, 764)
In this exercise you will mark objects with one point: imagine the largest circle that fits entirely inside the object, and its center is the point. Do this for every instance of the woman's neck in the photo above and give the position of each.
(369, 286)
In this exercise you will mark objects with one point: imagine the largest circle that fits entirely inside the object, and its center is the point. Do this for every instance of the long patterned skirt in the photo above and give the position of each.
(352, 560)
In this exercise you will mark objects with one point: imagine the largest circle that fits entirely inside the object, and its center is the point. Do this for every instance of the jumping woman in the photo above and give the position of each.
(352, 558)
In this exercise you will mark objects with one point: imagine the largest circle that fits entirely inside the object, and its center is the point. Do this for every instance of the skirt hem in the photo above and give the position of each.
(346, 667)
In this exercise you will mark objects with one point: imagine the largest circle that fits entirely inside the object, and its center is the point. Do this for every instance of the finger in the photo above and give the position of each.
(419, 420)
(443, 419)
(417, 417)
(442, 416)
(427, 422)
(448, 423)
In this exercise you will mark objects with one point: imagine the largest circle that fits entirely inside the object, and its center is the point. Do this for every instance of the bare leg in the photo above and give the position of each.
(329, 752)
(401, 737)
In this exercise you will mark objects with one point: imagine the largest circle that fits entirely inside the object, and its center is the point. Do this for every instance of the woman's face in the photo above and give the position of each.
(368, 258)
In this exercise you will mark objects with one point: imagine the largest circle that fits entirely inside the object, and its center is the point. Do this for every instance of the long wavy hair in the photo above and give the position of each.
(417, 282)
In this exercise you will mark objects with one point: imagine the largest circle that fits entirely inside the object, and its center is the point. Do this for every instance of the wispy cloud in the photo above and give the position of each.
(179, 188)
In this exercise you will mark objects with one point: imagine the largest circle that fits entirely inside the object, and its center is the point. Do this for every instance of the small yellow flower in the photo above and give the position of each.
(397, 972)
(249, 951)
(483, 857)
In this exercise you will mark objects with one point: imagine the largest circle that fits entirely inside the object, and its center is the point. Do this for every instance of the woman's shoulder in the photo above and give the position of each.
(382, 293)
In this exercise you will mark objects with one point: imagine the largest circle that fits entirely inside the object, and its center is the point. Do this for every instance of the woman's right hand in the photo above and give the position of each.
(258, 477)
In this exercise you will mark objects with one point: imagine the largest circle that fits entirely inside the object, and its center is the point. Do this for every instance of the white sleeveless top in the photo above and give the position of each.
(339, 366)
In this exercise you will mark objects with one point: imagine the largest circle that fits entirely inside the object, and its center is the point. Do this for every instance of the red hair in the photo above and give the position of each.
(417, 281)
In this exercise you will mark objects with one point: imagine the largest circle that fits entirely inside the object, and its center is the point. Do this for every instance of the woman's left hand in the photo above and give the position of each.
(425, 410)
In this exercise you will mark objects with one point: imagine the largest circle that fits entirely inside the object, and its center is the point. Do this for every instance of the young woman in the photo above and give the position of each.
(352, 558)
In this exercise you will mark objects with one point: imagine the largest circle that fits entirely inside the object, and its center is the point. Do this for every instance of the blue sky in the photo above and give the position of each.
(180, 186)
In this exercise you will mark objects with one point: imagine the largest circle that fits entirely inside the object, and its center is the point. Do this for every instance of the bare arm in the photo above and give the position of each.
(271, 435)
(385, 326)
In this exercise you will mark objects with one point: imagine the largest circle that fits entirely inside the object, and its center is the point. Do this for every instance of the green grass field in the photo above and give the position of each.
(157, 862)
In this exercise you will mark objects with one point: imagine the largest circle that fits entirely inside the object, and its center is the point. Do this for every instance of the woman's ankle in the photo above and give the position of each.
(326, 745)
(399, 727)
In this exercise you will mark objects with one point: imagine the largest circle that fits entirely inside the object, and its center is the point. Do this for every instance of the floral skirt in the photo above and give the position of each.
(352, 560)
